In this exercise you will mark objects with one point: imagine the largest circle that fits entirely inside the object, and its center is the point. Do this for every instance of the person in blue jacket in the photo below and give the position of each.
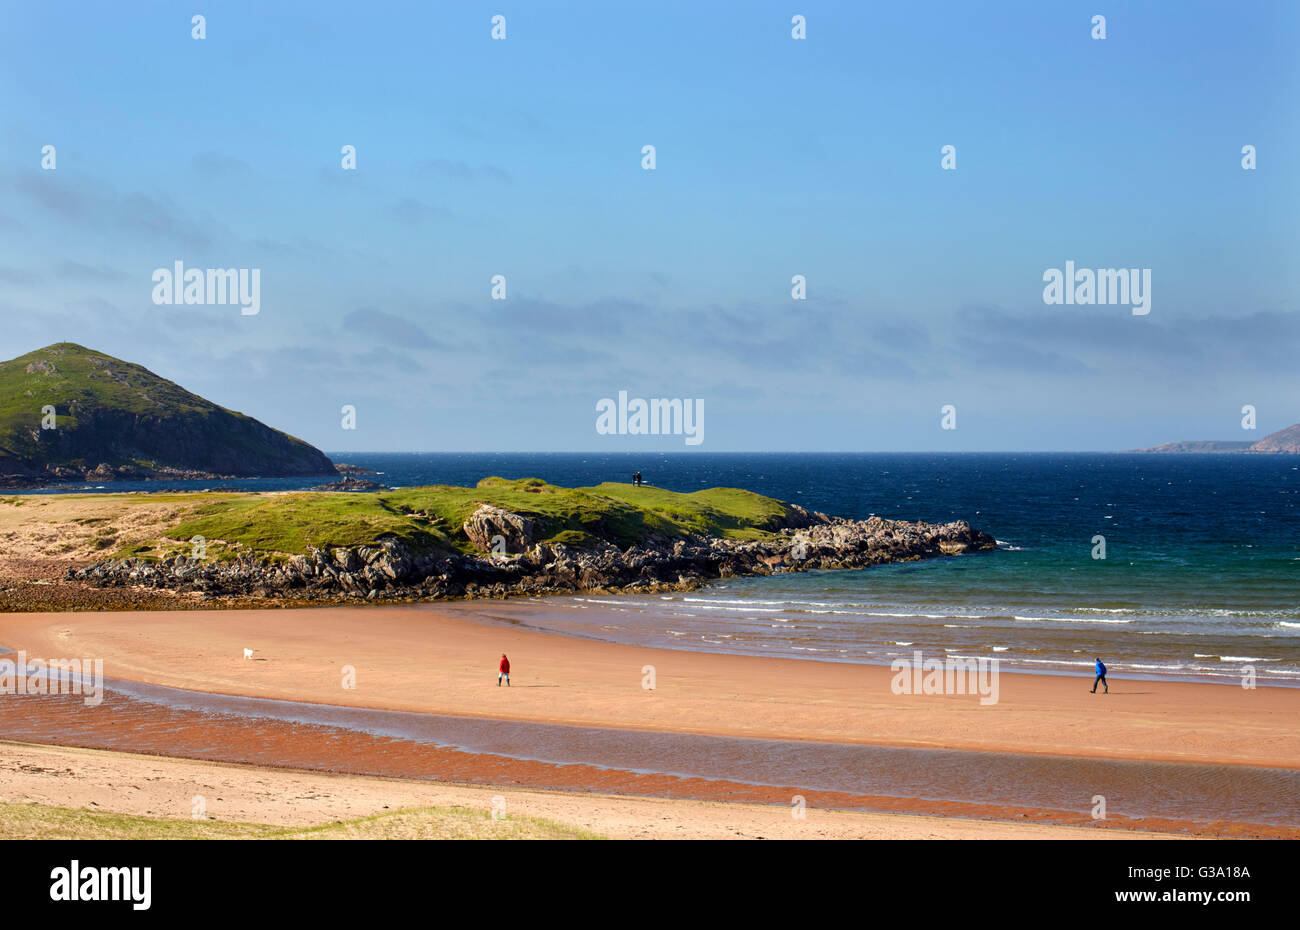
(1101, 677)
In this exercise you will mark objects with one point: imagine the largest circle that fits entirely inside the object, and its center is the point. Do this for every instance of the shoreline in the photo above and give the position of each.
(479, 609)
(132, 601)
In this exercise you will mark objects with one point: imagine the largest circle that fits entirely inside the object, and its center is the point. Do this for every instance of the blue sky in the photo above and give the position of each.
(775, 157)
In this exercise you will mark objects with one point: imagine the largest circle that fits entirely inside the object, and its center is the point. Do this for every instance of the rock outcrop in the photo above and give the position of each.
(351, 484)
(492, 529)
(389, 570)
(343, 468)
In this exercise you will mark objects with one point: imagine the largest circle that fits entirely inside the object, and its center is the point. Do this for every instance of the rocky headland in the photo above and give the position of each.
(510, 561)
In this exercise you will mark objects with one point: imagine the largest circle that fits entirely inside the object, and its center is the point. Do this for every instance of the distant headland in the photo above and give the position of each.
(1283, 441)
(68, 413)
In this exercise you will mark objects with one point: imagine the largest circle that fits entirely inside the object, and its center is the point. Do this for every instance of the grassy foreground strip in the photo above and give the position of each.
(431, 518)
(37, 821)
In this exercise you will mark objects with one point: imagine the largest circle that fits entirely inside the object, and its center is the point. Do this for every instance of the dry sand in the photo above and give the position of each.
(71, 528)
(43, 535)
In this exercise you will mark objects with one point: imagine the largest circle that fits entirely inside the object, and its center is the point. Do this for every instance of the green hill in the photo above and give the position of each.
(115, 419)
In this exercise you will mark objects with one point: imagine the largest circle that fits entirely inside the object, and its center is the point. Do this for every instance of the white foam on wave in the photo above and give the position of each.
(809, 607)
(1067, 620)
(754, 610)
(718, 600)
(915, 616)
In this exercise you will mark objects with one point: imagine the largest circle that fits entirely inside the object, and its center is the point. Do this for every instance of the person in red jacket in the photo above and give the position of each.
(503, 671)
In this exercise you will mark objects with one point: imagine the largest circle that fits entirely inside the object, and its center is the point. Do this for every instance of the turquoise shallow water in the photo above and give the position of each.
(1201, 576)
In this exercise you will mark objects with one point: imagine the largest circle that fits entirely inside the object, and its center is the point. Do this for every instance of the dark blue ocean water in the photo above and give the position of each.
(1201, 576)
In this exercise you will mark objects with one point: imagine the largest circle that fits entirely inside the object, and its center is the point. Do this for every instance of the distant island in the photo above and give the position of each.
(68, 413)
(1284, 441)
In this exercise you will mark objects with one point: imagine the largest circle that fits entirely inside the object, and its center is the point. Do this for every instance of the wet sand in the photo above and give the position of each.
(244, 736)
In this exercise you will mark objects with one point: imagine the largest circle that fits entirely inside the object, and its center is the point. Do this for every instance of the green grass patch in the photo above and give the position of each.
(431, 518)
(39, 821)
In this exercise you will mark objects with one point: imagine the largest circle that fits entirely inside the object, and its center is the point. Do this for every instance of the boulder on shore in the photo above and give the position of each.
(486, 524)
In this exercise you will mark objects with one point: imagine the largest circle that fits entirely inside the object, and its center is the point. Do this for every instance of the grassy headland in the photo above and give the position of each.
(432, 518)
(79, 527)
(500, 538)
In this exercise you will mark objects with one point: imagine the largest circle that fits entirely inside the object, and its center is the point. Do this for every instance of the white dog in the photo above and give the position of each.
(248, 653)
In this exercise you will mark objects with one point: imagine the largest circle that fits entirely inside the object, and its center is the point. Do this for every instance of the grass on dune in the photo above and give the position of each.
(38, 821)
(290, 523)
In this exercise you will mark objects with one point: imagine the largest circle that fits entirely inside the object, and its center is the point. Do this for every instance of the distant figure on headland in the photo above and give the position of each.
(1101, 677)
(636, 479)
(503, 671)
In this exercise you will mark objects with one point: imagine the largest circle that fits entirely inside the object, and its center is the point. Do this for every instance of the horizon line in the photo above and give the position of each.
(774, 452)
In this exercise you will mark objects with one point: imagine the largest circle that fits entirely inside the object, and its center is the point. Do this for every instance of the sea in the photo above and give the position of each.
(1200, 578)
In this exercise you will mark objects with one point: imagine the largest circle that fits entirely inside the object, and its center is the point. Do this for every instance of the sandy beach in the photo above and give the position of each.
(442, 660)
(438, 660)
